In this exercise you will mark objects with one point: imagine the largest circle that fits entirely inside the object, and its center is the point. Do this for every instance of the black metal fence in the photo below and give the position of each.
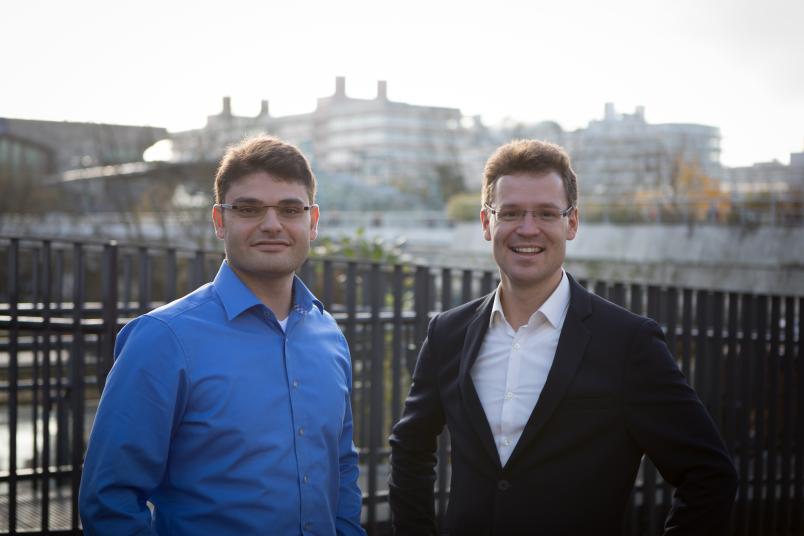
(61, 304)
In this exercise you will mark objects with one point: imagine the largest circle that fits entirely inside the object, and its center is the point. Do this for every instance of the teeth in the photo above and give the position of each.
(527, 250)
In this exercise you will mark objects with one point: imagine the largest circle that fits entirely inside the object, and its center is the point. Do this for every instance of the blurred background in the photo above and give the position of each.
(684, 121)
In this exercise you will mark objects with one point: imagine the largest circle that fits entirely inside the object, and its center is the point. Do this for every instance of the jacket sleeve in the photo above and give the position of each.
(128, 447)
(350, 501)
(413, 446)
(671, 424)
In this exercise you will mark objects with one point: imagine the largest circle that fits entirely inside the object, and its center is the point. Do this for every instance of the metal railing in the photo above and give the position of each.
(62, 303)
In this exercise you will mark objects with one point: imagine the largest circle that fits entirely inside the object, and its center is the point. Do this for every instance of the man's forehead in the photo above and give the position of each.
(262, 185)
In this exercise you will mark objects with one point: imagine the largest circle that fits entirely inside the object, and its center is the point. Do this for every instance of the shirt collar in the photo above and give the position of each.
(553, 308)
(236, 297)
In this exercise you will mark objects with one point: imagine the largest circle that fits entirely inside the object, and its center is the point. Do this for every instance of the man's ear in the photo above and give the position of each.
(217, 221)
(484, 221)
(315, 212)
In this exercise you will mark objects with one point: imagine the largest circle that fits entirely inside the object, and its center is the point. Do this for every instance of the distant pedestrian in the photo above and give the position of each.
(551, 394)
(228, 410)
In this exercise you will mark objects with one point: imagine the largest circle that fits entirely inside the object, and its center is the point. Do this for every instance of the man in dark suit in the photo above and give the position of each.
(551, 395)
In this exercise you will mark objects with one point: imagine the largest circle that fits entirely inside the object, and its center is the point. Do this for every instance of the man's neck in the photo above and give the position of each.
(519, 303)
(276, 293)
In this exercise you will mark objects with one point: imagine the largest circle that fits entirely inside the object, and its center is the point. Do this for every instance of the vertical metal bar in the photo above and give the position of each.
(77, 380)
(773, 409)
(758, 513)
(446, 289)
(377, 389)
(700, 358)
(35, 352)
(715, 358)
(618, 294)
(143, 285)
(46, 304)
(127, 283)
(109, 304)
(486, 283)
(730, 381)
(787, 413)
(13, 340)
(421, 294)
(671, 312)
(356, 350)
(306, 273)
(466, 286)
(635, 303)
(396, 363)
(601, 289)
(731, 375)
(171, 275)
(328, 276)
(199, 269)
(744, 424)
(686, 334)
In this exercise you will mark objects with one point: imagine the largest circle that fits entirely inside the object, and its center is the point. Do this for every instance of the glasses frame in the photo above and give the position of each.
(562, 213)
(234, 206)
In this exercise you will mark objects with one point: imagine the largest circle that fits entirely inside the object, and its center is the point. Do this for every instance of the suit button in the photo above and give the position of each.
(503, 485)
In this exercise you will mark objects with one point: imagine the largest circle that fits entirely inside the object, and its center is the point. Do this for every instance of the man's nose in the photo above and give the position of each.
(271, 221)
(529, 224)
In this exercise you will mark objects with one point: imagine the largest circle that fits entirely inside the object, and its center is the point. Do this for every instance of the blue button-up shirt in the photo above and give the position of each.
(224, 422)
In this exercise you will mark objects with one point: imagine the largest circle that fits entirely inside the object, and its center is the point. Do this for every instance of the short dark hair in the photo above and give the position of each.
(283, 161)
(524, 156)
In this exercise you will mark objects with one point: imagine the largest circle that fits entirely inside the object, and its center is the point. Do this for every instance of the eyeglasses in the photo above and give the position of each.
(254, 212)
(544, 215)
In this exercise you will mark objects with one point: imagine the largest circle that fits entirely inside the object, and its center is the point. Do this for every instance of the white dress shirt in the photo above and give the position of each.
(512, 366)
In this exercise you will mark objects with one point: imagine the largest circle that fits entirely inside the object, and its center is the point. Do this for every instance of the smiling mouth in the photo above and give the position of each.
(270, 244)
(529, 250)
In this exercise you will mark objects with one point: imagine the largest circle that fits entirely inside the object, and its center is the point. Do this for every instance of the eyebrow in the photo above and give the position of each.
(255, 201)
(539, 205)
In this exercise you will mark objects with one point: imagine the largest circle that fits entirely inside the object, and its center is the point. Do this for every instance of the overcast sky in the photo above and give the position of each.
(734, 64)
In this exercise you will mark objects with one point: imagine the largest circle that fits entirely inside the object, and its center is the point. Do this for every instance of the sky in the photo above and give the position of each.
(734, 64)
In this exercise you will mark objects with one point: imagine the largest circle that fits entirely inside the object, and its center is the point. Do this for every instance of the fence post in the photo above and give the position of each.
(109, 301)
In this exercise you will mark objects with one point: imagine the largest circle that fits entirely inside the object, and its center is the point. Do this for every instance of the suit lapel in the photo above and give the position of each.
(569, 353)
(475, 333)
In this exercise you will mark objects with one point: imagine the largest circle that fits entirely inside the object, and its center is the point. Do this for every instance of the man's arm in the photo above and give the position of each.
(128, 448)
(668, 420)
(413, 447)
(350, 501)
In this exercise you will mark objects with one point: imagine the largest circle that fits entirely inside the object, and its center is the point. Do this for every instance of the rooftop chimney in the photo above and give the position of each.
(227, 106)
(382, 90)
(640, 112)
(340, 86)
(264, 108)
(610, 113)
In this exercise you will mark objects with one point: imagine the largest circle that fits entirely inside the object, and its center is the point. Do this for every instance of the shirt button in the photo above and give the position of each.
(306, 479)
(295, 383)
(509, 395)
(301, 430)
(516, 346)
(503, 485)
(307, 526)
(506, 442)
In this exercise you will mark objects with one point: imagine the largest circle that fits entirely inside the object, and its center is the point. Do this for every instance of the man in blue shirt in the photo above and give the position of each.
(228, 410)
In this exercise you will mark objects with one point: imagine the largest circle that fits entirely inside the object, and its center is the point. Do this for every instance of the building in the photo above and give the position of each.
(623, 153)
(65, 145)
(766, 177)
(377, 140)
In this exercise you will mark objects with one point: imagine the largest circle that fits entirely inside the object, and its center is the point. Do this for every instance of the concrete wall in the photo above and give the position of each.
(764, 259)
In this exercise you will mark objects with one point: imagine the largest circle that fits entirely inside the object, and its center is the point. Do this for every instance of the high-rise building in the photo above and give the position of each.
(377, 140)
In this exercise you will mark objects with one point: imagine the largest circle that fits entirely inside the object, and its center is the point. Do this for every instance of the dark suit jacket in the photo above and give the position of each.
(613, 394)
